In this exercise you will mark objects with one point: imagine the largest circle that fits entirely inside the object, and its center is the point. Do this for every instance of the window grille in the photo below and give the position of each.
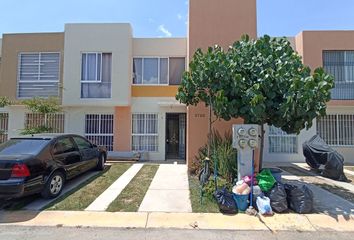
(99, 129)
(336, 129)
(145, 132)
(54, 121)
(281, 142)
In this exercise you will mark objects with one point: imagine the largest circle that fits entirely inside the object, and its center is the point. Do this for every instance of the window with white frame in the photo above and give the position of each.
(99, 129)
(38, 74)
(145, 132)
(4, 126)
(158, 70)
(96, 71)
(336, 129)
(281, 142)
(54, 121)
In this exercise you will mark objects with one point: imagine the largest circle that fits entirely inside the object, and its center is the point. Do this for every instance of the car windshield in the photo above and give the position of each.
(22, 146)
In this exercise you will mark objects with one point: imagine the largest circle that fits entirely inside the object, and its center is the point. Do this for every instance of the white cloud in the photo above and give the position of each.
(179, 16)
(164, 30)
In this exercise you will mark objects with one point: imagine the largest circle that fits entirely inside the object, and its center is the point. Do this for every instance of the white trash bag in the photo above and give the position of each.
(263, 205)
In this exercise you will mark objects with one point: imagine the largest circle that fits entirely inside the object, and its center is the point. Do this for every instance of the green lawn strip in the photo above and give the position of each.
(82, 196)
(207, 206)
(20, 203)
(133, 194)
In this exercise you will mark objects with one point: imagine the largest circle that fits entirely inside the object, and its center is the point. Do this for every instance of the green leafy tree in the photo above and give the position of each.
(262, 81)
(44, 106)
(4, 101)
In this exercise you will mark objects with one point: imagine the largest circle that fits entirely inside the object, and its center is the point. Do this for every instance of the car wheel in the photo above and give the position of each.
(54, 185)
(101, 163)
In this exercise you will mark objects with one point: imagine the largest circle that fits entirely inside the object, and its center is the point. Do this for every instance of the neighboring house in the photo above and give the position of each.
(119, 91)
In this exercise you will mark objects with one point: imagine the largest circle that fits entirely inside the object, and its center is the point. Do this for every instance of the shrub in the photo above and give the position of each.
(4, 101)
(209, 188)
(44, 106)
(221, 151)
(36, 130)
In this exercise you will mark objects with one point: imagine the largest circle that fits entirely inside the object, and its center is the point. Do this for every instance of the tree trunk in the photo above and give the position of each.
(209, 134)
(261, 148)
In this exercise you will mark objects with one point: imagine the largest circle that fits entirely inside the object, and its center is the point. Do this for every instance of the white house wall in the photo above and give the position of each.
(75, 117)
(110, 38)
(16, 120)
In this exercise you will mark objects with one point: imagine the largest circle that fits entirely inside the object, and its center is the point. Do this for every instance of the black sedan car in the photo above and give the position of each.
(43, 163)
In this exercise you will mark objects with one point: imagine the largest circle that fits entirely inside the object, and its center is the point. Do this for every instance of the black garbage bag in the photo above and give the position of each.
(300, 199)
(334, 168)
(316, 151)
(226, 202)
(278, 200)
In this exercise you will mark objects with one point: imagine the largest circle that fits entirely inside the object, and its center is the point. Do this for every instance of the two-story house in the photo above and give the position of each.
(119, 91)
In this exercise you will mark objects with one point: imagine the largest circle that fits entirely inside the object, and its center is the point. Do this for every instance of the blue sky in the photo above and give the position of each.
(164, 18)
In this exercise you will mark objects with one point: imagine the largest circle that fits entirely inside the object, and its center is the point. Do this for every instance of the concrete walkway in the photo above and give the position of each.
(169, 191)
(104, 200)
(41, 203)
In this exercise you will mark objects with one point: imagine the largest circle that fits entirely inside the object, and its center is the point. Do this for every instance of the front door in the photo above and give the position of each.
(175, 136)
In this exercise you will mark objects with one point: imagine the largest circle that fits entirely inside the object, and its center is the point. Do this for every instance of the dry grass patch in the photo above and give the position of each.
(81, 197)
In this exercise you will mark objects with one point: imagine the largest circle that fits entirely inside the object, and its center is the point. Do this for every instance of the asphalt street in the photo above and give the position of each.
(60, 233)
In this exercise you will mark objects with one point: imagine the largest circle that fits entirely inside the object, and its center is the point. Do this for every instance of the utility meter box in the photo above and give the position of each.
(245, 138)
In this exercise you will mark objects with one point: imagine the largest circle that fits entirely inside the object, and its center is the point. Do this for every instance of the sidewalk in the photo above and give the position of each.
(284, 222)
(324, 201)
(169, 190)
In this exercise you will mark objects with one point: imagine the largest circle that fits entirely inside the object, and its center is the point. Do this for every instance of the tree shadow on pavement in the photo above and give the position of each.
(17, 216)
